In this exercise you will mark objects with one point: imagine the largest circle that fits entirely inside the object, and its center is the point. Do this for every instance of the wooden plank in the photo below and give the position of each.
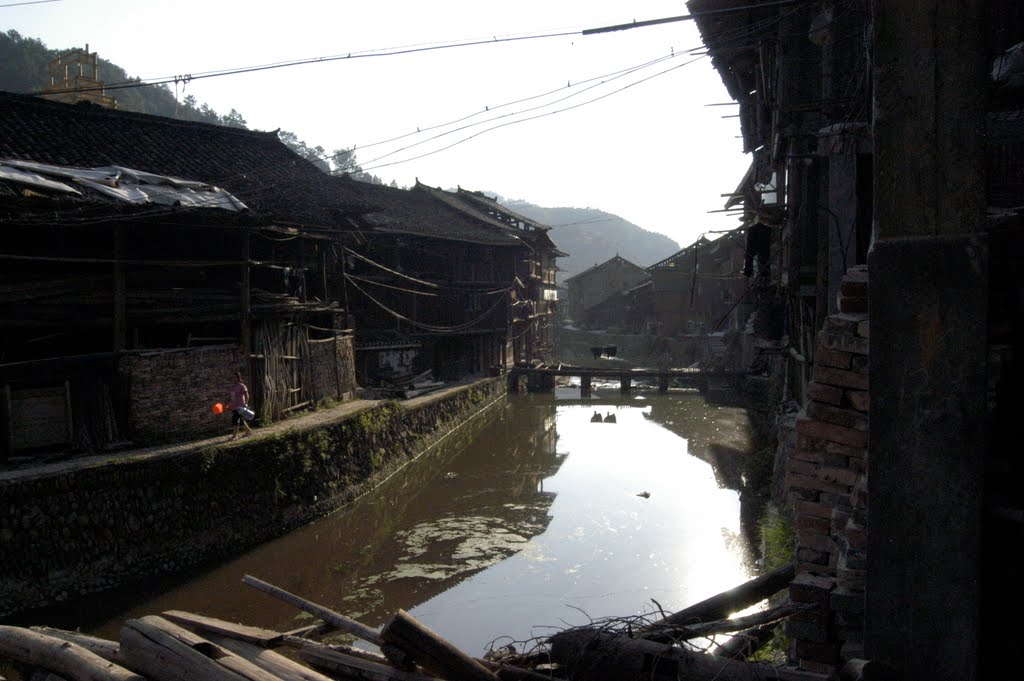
(337, 620)
(266, 638)
(163, 651)
(67, 659)
(431, 651)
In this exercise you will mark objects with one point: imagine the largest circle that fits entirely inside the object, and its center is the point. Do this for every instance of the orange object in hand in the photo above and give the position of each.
(218, 408)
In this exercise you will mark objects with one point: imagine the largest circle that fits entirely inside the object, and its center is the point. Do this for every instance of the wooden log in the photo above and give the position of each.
(40, 675)
(771, 615)
(431, 651)
(108, 650)
(336, 620)
(65, 658)
(745, 643)
(163, 651)
(268, 660)
(719, 607)
(603, 656)
(266, 638)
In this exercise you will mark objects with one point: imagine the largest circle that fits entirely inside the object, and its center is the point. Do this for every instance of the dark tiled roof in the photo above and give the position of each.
(417, 212)
(254, 166)
(610, 261)
(483, 208)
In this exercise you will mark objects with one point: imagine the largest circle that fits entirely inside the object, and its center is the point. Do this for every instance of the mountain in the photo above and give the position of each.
(591, 236)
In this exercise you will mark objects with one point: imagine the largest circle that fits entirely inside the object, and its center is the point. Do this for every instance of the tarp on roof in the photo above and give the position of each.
(123, 184)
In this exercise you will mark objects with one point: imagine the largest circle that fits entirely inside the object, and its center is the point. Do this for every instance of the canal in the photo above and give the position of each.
(542, 512)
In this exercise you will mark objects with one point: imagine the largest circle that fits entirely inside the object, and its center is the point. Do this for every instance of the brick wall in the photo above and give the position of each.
(826, 481)
(171, 392)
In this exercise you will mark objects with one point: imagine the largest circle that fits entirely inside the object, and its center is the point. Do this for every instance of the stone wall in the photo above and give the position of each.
(89, 528)
(826, 481)
(170, 392)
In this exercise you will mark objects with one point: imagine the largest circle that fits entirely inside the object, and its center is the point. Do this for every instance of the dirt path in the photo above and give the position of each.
(301, 422)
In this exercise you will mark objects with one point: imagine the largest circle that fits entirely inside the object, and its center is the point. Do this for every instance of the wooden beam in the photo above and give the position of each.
(431, 651)
(210, 625)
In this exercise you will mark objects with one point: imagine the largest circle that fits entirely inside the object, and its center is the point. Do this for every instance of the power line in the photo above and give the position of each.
(684, 17)
(300, 62)
(524, 120)
(33, 2)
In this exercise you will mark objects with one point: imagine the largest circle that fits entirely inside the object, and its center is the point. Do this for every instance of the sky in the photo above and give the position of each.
(618, 121)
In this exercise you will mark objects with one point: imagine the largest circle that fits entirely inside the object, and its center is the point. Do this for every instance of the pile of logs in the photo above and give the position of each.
(179, 646)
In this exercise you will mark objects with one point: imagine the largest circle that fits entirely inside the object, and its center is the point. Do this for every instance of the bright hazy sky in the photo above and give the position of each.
(640, 142)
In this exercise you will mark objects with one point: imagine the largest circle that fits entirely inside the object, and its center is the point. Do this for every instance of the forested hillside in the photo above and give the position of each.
(591, 236)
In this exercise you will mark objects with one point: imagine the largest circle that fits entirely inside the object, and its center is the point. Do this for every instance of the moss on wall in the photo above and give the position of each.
(90, 529)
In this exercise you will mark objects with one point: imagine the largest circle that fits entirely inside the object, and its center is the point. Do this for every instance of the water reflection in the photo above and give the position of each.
(529, 517)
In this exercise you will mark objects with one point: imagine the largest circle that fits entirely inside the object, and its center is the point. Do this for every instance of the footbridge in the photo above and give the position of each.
(542, 378)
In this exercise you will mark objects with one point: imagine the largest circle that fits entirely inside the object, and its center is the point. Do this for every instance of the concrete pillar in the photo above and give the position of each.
(928, 294)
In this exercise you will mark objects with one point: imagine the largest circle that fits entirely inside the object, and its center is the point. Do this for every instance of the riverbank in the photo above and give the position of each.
(91, 524)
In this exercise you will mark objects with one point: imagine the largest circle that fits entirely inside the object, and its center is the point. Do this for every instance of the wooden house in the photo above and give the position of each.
(536, 305)
(434, 287)
(145, 261)
(699, 289)
(593, 286)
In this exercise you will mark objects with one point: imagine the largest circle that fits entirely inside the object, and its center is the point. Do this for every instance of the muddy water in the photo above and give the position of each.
(541, 512)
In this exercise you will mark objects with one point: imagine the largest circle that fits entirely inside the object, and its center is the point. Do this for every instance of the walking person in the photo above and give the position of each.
(238, 400)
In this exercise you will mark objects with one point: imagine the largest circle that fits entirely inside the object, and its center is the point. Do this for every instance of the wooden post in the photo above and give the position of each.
(120, 330)
(431, 651)
(245, 326)
(625, 383)
(585, 386)
(663, 381)
(6, 424)
(337, 368)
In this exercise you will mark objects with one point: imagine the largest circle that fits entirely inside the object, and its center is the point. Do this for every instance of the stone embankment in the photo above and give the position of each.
(89, 525)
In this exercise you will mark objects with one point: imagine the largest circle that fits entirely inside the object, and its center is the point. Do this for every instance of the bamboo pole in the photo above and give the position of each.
(337, 620)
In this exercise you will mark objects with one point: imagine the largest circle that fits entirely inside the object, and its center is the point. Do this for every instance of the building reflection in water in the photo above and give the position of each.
(524, 518)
